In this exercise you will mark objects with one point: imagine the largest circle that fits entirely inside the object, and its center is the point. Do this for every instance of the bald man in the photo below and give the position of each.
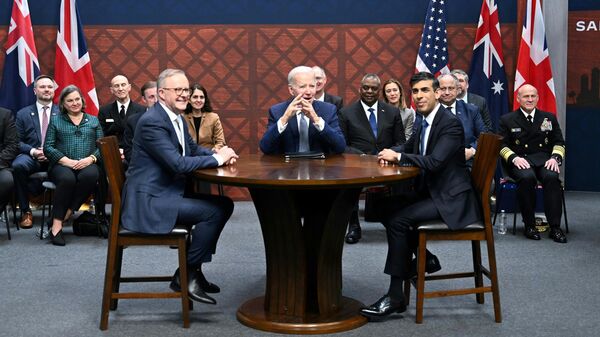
(533, 150)
(113, 116)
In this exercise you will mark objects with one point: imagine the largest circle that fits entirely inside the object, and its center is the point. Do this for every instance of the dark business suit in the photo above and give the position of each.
(536, 142)
(359, 135)
(153, 195)
(330, 140)
(9, 147)
(127, 144)
(335, 100)
(471, 121)
(481, 103)
(30, 137)
(111, 121)
(444, 190)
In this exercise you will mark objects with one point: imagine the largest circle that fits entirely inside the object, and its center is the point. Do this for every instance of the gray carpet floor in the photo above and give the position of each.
(547, 289)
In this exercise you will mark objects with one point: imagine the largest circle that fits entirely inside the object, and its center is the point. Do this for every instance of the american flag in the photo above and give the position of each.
(73, 64)
(487, 77)
(533, 64)
(433, 50)
(21, 65)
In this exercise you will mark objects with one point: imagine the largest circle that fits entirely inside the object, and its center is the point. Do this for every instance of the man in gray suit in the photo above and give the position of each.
(320, 94)
(467, 97)
(32, 123)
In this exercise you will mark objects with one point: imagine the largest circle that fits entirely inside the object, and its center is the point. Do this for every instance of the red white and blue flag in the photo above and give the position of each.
(487, 77)
(433, 50)
(21, 65)
(533, 64)
(73, 65)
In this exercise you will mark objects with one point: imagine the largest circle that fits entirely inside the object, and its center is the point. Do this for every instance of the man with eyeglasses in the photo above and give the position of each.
(113, 116)
(163, 155)
(369, 126)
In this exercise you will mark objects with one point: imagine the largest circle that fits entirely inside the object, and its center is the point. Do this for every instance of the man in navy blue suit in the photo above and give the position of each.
(153, 196)
(32, 123)
(302, 124)
(443, 192)
(467, 113)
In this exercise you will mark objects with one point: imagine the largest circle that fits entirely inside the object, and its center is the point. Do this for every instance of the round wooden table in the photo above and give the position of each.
(303, 206)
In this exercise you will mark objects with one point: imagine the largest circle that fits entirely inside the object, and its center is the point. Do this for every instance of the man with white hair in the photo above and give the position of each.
(468, 97)
(320, 94)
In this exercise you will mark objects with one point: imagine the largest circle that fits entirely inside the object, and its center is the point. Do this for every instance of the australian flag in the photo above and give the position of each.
(487, 77)
(21, 65)
(433, 50)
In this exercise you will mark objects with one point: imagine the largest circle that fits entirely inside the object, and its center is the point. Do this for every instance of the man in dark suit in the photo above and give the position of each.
(467, 97)
(369, 126)
(302, 124)
(153, 196)
(467, 113)
(149, 97)
(32, 123)
(320, 94)
(9, 147)
(533, 149)
(445, 191)
(113, 116)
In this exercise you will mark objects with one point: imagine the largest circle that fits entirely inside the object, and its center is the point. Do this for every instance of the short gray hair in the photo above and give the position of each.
(460, 72)
(373, 76)
(298, 70)
(169, 72)
(452, 76)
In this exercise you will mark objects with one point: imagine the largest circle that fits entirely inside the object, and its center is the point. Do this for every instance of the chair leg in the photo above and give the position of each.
(43, 214)
(476, 249)
(494, 279)
(421, 257)
(108, 284)
(7, 222)
(183, 282)
(117, 277)
(564, 204)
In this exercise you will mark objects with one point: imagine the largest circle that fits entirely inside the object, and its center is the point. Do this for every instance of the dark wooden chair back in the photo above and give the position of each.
(484, 166)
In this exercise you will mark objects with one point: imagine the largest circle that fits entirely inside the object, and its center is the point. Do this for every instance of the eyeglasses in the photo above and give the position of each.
(179, 91)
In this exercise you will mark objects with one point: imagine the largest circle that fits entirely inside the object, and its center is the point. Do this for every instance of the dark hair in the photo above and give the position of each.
(146, 86)
(42, 77)
(69, 89)
(400, 89)
(207, 106)
(424, 76)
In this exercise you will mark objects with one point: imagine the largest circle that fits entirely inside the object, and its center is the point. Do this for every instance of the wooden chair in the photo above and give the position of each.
(484, 165)
(120, 238)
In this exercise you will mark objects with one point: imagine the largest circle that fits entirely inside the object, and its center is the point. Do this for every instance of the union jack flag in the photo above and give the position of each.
(433, 50)
(487, 77)
(21, 65)
(533, 64)
(73, 64)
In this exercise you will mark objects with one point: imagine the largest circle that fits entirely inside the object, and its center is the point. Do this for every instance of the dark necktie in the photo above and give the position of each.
(373, 121)
(530, 119)
(424, 126)
(122, 112)
(303, 130)
(450, 109)
(44, 123)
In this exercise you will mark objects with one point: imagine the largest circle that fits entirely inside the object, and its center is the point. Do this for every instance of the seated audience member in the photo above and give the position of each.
(466, 113)
(443, 192)
(302, 124)
(32, 124)
(204, 125)
(468, 97)
(533, 150)
(149, 97)
(9, 147)
(320, 94)
(393, 93)
(71, 150)
(153, 195)
(369, 126)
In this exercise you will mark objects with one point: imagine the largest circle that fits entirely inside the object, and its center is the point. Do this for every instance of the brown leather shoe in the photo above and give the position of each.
(26, 220)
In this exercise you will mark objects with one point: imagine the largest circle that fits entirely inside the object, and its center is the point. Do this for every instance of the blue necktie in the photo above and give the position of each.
(303, 130)
(373, 121)
(424, 126)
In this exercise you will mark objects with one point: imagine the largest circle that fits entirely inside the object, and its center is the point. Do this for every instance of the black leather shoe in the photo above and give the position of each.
(384, 307)
(558, 235)
(354, 234)
(58, 239)
(195, 292)
(532, 233)
(432, 265)
(208, 287)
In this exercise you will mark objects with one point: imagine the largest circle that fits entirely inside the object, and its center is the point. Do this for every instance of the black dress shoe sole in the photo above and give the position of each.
(376, 317)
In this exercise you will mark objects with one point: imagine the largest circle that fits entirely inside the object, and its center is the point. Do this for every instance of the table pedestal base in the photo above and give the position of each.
(253, 314)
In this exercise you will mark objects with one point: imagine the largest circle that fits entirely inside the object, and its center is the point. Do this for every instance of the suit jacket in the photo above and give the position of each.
(210, 134)
(111, 121)
(335, 100)
(471, 121)
(480, 102)
(357, 130)
(29, 128)
(330, 140)
(157, 173)
(535, 141)
(9, 141)
(127, 143)
(445, 174)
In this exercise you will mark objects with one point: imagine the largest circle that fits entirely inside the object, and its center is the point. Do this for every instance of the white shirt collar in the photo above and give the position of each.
(172, 116)
(527, 114)
(432, 114)
(126, 104)
(453, 106)
(366, 107)
(322, 98)
(40, 106)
